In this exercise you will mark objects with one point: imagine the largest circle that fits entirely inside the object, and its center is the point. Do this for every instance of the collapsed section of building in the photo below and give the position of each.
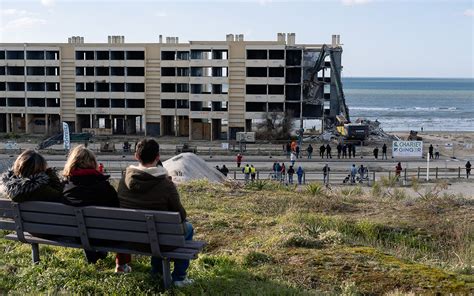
(203, 90)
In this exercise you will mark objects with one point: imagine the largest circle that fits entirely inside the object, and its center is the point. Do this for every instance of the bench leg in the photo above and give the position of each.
(35, 253)
(166, 273)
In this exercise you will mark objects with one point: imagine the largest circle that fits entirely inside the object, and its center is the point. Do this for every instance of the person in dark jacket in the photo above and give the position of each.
(310, 151)
(344, 151)
(146, 186)
(322, 148)
(224, 170)
(339, 150)
(85, 186)
(328, 151)
(30, 179)
(376, 152)
(384, 151)
(291, 172)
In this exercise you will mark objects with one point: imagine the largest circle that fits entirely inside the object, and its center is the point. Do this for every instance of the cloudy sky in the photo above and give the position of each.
(397, 38)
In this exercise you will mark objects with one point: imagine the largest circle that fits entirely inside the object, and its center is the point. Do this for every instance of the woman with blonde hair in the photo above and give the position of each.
(86, 186)
(30, 179)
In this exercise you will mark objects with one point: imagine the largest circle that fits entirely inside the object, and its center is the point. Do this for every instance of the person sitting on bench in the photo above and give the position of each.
(148, 186)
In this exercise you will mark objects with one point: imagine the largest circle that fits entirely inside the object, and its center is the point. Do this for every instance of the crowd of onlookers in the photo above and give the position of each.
(145, 185)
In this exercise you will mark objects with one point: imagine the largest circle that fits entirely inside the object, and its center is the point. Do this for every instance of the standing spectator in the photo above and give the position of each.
(398, 170)
(100, 168)
(384, 151)
(362, 170)
(310, 151)
(239, 159)
(253, 172)
(376, 152)
(292, 158)
(321, 150)
(277, 171)
(339, 150)
(86, 186)
(148, 186)
(288, 149)
(430, 151)
(436, 152)
(246, 171)
(217, 168)
(344, 151)
(326, 170)
(282, 172)
(293, 146)
(297, 150)
(224, 170)
(291, 172)
(353, 150)
(468, 169)
(300, 173)
(353, 173)
(349, 148)
(30, 179)
(328, 151)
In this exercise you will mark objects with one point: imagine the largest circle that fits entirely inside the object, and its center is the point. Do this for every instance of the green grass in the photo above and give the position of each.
(271, 239)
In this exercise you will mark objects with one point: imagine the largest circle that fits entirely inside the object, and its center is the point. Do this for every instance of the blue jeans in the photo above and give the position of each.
(180, 265)
(290, 179)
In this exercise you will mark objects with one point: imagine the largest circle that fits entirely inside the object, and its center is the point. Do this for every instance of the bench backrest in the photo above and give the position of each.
(125, 225)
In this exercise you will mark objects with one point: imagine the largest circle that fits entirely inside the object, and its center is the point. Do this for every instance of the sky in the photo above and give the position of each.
(410, 38)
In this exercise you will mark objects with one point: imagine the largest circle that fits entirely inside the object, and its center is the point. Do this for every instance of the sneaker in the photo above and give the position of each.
(183, 283)
(124, 268)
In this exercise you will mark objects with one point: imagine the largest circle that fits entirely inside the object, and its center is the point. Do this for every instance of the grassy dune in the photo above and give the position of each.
(267, 239)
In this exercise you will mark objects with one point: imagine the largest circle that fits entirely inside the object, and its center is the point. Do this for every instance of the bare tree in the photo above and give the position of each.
(275, 125)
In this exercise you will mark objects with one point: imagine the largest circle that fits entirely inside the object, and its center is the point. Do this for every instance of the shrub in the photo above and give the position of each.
(315, 189)
(253, 259)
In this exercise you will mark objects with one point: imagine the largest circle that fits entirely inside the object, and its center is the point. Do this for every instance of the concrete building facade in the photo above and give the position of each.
(204, 90)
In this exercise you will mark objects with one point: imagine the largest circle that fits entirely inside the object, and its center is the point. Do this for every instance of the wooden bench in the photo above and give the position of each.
(118, 230)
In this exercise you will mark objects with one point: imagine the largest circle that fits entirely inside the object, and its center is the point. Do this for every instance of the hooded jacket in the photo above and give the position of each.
(44, 186)
(88, 187)
(149, 189)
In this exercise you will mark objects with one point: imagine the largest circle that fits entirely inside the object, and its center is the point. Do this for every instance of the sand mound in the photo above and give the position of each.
(189, 166)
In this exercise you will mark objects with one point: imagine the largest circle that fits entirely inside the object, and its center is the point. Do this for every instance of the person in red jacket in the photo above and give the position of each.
(239, 160)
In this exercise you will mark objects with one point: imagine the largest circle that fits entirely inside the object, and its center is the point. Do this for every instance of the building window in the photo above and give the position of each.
(168, 104)
(102, 87)
(256, 72)
(219, 106)
(36, 102)
(3, 102)
(84, 55)
(2, 54)
(117, 55)
(87, 71)
(52, 86)
(219, 54)
(255, 107)
(35, 86)
(182, 104)
(135, 71)
(53, 102)
(293, 57)
(102, 103)
(117, 71)
(275, 107)
(201, 106)
(219, 71)
(102, 55)
(256, 89)
(168, 87)
(102, 71)
(277, 89)
(52, 71)
(88, 87)
(2, 70)
(15, 86)
(15, 71)
(168, 71)
(85, 103)
(15, 55)
(293, 92)
(276, 54)
(182, 88)
(200, 54)
(136, 55)
(135, 103)
(16, 102)
(182, 55)
(293, 75)
(117, 103)
(3, 86)
(120, 87)
(182, 71)
(276, 72)
(201, 88)
(256, 54)
(168, 55)
(135, 87)
(34, 55)
(52, 55)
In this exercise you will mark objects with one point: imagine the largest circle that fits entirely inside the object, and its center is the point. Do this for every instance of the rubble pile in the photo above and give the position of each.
(188, 166)
(376, 133)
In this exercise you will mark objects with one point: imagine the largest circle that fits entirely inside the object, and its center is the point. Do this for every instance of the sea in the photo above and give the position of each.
(403, 104)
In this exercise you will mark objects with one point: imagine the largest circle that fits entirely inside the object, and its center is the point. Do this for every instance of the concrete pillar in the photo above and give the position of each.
(46, 124)
(190, 128)
(27, 123)
(212, 129)
(9, 123)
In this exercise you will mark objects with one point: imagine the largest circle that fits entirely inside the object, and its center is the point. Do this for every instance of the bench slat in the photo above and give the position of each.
(131, 214)
(103, 223)
(6, 213)
(46, 207)
(7, 225)
(198, 245)
(5, 203)
(164, 239)
(179, 253)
